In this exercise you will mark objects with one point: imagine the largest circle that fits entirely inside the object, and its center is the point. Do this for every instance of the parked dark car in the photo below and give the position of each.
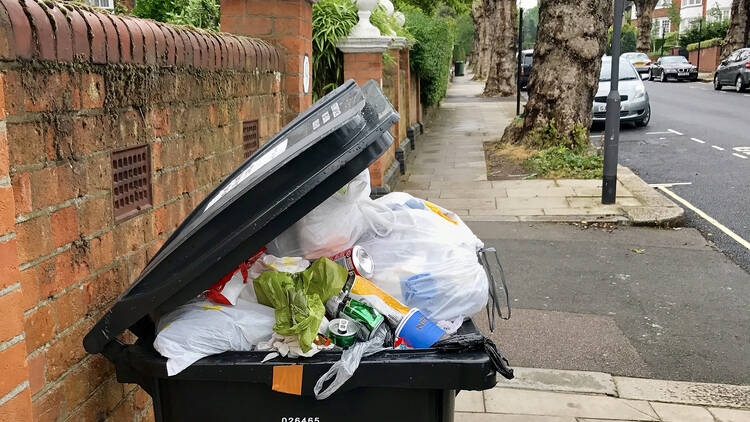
(734, 71)
(527, 57)
(675, 67)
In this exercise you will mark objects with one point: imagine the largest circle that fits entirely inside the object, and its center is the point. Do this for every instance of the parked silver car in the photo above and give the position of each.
(640, 61)
(634, 103)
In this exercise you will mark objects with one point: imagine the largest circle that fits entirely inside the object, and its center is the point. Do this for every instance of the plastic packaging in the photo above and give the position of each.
(345, 367)
(336, 224)
(429, 260)
(202, 328)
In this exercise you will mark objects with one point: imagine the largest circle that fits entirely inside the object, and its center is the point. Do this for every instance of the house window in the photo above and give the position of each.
(688, 3)
(664, 4)
(662, 26)
(102, 4)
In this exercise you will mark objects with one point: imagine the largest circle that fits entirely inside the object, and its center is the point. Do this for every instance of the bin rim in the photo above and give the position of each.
(298, 168)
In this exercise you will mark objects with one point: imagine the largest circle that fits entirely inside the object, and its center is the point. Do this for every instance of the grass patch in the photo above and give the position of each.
(564, 163)
(517, 154)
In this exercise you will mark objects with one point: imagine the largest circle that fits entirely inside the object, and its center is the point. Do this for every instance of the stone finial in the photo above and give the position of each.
(364, 28)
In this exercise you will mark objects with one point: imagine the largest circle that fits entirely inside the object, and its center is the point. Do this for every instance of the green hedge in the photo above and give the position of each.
(713, 42)
(431, 55)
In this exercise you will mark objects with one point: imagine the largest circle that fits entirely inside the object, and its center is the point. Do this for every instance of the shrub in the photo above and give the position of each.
(332, 20)
(708, 31)
(713, 42)
(431, 55)
(627, 39)
(464, 37)
(198, 13)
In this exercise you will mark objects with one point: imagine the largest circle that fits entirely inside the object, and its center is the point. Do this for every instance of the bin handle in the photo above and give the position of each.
(493, 304)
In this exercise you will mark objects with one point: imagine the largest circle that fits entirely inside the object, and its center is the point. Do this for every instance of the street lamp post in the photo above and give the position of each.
(518, 64)
(612, 128)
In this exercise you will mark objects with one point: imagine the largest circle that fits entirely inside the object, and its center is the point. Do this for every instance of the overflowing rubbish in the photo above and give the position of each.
(394, 273)
(202, 328)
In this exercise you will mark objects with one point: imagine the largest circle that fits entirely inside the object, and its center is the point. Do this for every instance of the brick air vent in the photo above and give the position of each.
(131, 181)
(250, 137)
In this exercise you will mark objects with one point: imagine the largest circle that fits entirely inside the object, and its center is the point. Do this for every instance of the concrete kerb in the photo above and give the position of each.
(656, 209)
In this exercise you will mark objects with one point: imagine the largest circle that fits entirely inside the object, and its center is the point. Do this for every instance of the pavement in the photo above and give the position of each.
(542, 395)
(449, 169)
(698, 140)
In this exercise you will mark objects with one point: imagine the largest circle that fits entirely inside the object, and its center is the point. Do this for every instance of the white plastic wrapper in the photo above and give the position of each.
(202, 328)
(428, 261)
(336, 224)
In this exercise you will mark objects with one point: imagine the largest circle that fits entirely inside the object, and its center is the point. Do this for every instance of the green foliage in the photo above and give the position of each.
(429, 7)
(713, 42)
(706, 31)
(431, 55)
(198, 13)
(627, 39)
(530, 25)
(464, 37)
(562, 162)
(670, 40)
(332, 20)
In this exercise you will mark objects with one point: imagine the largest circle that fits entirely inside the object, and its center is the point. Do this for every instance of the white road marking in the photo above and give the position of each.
(739, 155)
(675, 132)
(662, 138)
(744, 150)
(669, 185)
(746, 95)
(698, 140)
(707, 217)
(715, 147)
(656, 133)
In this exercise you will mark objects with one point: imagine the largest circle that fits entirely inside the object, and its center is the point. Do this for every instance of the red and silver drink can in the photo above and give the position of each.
(355, 259)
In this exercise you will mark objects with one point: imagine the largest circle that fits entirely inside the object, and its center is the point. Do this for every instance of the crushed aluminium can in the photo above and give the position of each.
(368, 318)
(341, 332)
(355, 259)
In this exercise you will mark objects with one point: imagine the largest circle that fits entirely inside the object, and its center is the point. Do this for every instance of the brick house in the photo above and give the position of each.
(690, 11)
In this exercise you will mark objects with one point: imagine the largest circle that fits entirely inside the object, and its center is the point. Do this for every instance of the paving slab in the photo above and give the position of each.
(560, 380)
(707, 394)
(669, 412)
(730, 415)
(470, 401)
(530, 402)
(494, 417)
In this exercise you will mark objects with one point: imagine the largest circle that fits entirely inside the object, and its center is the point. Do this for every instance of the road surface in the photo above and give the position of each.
(699, 139)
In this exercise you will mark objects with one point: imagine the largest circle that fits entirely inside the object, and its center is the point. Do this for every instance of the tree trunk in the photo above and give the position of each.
(476, 17)
(645, 9)
(738, 35)
(501, 74)
(571, 39)
(483, 62)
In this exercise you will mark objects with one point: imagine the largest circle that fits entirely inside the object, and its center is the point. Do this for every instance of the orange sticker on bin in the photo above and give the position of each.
(287, 379)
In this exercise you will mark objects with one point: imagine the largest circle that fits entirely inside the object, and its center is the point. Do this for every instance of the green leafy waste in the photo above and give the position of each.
(298, 299)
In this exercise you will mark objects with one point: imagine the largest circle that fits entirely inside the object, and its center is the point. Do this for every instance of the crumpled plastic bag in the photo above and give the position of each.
(298, 298)
(429, 260)
(288, 346)
(202, 328)
(336, 224)
(268, 262)
(344, 368)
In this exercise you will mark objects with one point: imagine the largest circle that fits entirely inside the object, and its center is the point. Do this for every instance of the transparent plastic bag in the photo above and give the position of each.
(344, 368)
(336, 224)
(429, 260)
(202, 328)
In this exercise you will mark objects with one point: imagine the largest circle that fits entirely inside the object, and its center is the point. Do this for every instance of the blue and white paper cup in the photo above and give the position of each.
(418, 331)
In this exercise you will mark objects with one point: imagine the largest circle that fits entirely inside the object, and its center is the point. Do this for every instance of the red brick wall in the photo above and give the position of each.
(70, 95)
(710, 58)
(287, 24)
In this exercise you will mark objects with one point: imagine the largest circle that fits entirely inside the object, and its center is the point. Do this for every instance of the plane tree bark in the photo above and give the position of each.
(645, 10)
(571, 40)
(502, 67)
(738, 35)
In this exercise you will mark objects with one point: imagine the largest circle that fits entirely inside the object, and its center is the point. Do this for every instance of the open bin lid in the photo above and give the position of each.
(306, 162)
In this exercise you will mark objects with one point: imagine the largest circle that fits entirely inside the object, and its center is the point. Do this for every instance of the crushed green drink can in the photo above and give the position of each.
(368, 318)
(341, 332)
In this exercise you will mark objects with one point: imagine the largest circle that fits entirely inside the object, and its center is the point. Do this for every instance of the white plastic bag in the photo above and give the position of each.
(336, 224)
(202, 328)
(269, 262)
(429, 260)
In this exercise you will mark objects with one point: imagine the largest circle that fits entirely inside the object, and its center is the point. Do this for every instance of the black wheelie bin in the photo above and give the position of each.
(306, 162)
